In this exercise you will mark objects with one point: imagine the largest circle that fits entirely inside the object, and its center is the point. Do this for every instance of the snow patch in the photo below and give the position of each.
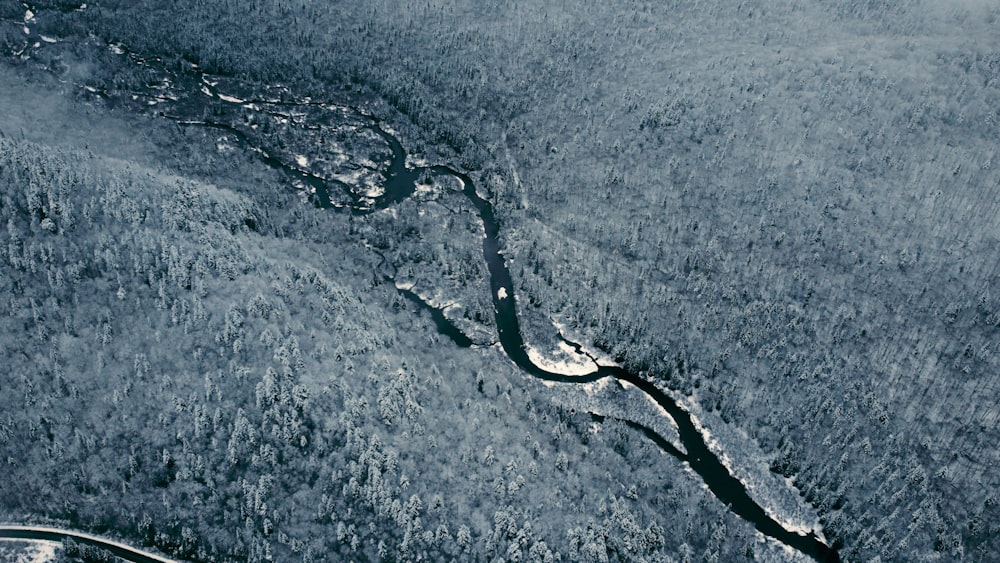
(374, 191)
(424, 189)
(502, 293)
(301, 161)
(37, 551)
(81, 535)
(230, 99)
(573, 365)
(28, 16)
(206, 91)
(48, 39)
(44, 552)
(414, 162)
(351, 178)
(601, 358)
(116, 49)
(596, 387)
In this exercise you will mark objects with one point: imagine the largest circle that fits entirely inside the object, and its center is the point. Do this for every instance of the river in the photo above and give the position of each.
(400, 182)
(729, 490)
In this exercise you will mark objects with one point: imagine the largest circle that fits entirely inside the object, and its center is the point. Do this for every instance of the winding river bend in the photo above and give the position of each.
(729, 490)
(399, 183)
(47, 534)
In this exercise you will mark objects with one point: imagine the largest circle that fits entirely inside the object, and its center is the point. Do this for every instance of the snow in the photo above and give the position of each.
(414, 162)
(351, 178)
(116, 49)
(374, 190)
(596, 387)
(601, 358)
(27, 31)
(206, 91)
(502, 293)
(659, 408)
(424, 189)
(230, 99)
(39, 551)
(49, 553)
(300, 160)
(572, 365)
(48, 39)
(29, 15)
(797, 526)
(406, 286)
(46, 551)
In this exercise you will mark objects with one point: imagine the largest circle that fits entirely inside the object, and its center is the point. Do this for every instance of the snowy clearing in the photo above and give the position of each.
(571, 364)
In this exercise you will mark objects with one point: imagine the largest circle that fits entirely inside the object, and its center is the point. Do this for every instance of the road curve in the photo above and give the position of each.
(43, 533)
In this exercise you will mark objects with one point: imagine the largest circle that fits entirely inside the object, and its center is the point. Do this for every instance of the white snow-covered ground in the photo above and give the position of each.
(565, 361)
(37, 551)
(600, 357)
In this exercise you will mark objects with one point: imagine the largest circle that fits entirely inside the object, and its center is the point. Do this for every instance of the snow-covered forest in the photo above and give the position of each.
(783, 214)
